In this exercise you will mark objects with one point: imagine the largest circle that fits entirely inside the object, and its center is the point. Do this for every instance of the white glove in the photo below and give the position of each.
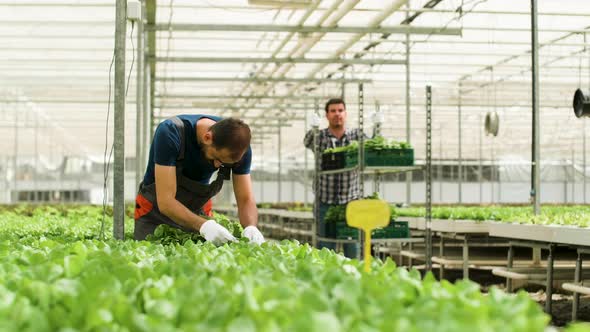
(378, 117)
(253, 234)
(215, 233)
(315, 120)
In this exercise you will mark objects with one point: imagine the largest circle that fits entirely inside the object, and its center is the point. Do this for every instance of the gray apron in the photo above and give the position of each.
(190, 193)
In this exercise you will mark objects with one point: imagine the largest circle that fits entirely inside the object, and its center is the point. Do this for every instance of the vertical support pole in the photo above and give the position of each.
(36, 172)
(492, 171)
(440, 165)
(549, 286)
(145, 93)
(577, 280)
(565, 178)
(139, 104)
(145, 121)
(536, 181)
(465, 257)
(262, 171)
(480, 175)
(361, 101)
(305, 162)
(493, 157)
(408, 101)
(119, 120)
(316, 181)
(441, 252)
(584, 159)
(460, 132)
(499, 173)
(292, 188)
(510, 264)
(410, 260)
(536, 256)
(573, 177)
(428, 177)
(377, 132)
(584, 136)
(377, 124)
(15, 154)
(279, 163)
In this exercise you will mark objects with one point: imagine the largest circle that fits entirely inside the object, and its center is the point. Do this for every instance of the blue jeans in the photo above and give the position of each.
(351, 250)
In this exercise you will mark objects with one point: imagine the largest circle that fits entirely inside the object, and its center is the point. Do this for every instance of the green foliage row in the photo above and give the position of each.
(550, 215)
(56, 276)
(374, 144)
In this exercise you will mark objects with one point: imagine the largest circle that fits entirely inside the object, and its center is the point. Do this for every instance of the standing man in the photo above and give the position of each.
(335, 189)
(185, 152)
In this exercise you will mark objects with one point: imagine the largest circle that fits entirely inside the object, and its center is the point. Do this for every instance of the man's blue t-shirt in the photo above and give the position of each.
(165, 149)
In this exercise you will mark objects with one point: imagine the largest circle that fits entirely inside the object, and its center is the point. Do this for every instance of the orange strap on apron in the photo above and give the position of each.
(208, 209)
(142, 206)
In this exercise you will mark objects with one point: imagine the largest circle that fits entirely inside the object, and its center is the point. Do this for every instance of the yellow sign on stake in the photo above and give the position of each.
(368, 214)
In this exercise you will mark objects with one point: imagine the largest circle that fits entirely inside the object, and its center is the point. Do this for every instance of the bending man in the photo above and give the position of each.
(185, 152)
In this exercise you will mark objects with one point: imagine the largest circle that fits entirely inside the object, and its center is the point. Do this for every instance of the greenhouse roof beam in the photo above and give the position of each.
(254, 8)
(64, 101)
(305, 29)
(526, 53)
(329, 18)
(491, 12)
(282, 120)
(241, 38)
(173, 96)
(228, 107)
(369, 62)
(375, 22)
(400, 29)
(544, 104)
(372, 45)
(261, 80)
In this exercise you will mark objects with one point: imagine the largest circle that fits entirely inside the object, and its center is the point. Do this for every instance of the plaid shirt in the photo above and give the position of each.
(336, 188)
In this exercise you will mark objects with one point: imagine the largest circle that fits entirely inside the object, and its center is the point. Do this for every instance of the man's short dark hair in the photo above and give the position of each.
(334, 101)
(232, 134)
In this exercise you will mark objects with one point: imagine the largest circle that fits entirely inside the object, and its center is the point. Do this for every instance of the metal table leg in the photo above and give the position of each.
(410, 247)
(510, 263)
(465, 258)
(314, 234)
(549, 290)
(441, 252)
(577, 280)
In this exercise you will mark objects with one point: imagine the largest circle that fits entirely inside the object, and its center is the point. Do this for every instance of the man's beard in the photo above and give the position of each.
(204, 155)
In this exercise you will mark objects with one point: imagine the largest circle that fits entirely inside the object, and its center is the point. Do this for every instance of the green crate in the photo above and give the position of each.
(345, 232)
(389, 157)
(395, 230)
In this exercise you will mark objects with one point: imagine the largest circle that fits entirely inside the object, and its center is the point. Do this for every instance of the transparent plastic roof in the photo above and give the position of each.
(56, 54)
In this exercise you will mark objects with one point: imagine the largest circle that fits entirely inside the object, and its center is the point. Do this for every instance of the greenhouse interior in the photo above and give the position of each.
(294, 165)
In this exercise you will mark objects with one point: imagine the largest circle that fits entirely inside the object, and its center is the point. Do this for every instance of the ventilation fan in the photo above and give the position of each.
(581, 104)
(492, 123)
